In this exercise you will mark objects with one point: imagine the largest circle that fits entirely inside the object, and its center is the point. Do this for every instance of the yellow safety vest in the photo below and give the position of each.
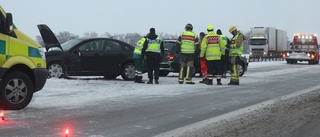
(234, 51)
(138, 47)
(188, 39)
(224, 43)
(211, 46)
(154, 45)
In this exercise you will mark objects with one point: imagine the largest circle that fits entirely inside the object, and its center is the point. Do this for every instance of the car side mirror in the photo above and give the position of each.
(9, 22)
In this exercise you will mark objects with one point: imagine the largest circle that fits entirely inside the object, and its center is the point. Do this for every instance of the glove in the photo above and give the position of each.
(177, 55)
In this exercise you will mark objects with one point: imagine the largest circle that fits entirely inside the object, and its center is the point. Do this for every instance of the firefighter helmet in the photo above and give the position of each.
(189, 27)
(232, 28)
(210, 27)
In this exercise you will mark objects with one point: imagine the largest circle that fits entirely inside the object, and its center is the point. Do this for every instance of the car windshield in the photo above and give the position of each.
(168, 46)
(258, 41)
(69, 44)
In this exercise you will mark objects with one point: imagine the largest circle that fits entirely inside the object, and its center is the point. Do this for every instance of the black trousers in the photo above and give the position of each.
(225, 59)
(214, 67)
(153, 65)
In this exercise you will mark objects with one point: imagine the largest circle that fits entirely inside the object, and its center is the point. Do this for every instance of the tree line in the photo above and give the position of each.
(131, 38)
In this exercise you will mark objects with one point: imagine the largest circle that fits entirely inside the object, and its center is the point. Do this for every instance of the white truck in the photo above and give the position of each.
(267, 42)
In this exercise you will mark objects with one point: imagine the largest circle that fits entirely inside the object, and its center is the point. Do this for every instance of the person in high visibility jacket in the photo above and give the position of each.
(138, 59)
(153, 50)
(203, 63)
(225, 53)
(236, 48)
(188, 41)
(211, 48)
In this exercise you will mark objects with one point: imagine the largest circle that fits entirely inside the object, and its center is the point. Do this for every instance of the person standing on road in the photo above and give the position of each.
(187, 50)
(138, 60)
(236, 48)
(153, 50)
(211, 46)
(203, 63)
(225, 53)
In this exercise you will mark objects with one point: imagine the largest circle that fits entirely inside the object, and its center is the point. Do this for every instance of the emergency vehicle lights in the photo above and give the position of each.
(66, 133)
(2, 116)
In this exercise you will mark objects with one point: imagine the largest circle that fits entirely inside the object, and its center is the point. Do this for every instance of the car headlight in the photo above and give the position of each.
(288, 54)
(308, 54)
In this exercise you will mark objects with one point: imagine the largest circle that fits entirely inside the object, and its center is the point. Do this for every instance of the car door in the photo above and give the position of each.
(113, 55)
(92, 59)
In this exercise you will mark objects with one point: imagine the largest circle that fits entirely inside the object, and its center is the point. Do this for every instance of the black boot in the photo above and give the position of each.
(139, 79)
(219, 82)
(156, 82)
(189, 81)
(150, 81)
(209, 82)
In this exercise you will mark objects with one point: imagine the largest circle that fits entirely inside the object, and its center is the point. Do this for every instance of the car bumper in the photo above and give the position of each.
(166, 66)
(40, 76)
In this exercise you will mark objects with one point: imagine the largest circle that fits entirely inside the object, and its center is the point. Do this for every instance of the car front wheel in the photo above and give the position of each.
(16, 91)
(56, 70)
(128, 71)
(241, 69)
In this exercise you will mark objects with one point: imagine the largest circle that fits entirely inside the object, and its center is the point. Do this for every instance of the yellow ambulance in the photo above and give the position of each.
(22, 65)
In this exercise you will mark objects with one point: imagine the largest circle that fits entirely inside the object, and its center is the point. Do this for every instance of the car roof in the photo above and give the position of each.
(92, 38)
(170, 40)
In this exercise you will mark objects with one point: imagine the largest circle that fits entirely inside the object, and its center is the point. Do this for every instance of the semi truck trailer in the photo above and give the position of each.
(267, 42)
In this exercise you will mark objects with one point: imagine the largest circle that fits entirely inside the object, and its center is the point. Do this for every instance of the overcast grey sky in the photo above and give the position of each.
(167, 16)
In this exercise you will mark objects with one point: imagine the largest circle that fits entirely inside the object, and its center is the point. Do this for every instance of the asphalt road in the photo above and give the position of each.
(145, 116)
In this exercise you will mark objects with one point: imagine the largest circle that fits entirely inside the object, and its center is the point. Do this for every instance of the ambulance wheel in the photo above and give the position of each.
(128, 71)
(56, 70)
(16, 91)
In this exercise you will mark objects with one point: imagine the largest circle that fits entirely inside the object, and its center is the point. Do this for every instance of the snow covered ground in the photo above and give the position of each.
(86, 90)
(79, 92)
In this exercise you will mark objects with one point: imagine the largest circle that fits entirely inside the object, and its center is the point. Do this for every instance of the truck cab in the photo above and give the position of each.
(22, 65)
(304, 47)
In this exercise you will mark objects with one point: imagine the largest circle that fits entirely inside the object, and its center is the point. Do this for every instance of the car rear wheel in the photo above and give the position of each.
(164, 73)
(56, 70)
(16, 91)
(128, 71)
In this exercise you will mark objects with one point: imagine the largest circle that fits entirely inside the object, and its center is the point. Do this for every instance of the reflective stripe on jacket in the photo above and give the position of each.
(154, 45)
(188, 39)
(138, 47)
(211, 46)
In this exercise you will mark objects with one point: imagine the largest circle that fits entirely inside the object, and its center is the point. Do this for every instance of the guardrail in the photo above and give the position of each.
(264, 59)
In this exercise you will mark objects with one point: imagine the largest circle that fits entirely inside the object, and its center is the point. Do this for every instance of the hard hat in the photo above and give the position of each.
(232, 28)
(210, 27)
(189, 26)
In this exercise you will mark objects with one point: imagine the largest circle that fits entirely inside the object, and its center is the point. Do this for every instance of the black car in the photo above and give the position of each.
(87, 57)
(170, 61)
